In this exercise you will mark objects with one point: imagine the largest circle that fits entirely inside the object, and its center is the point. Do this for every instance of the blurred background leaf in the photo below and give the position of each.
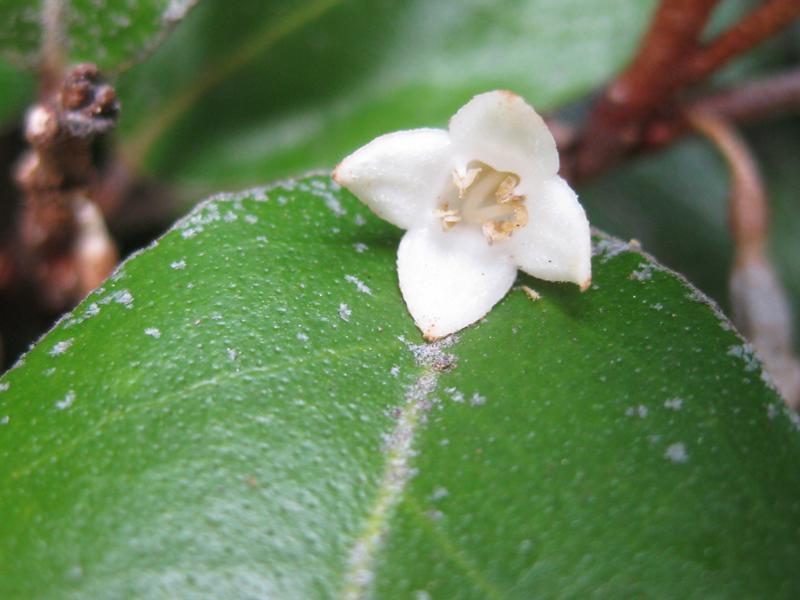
(16, 89)
(236, 98)
(243, 96)
(110, 33)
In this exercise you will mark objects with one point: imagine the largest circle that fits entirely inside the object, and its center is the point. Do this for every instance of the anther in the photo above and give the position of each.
(505, 191)
(462, 182)
(449, 217)
(487, 198)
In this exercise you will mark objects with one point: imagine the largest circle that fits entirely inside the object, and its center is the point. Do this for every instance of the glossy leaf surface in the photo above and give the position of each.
(246, 410)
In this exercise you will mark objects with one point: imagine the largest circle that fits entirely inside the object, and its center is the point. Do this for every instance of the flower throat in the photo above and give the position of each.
(485, 197)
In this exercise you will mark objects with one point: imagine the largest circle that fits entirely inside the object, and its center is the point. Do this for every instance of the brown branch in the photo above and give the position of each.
(747, 211)
(754, 100)
(630, 100)
(639, 110)
(759, 25)
(751, 101)
(54, 46)
(64, 249)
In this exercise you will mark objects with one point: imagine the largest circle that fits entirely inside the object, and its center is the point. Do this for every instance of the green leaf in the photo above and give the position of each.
(16, 89)
(245, 409)
(675, 203)
(275, 88)
(107, 32)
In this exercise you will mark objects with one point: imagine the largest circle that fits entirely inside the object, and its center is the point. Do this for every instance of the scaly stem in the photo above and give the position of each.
(754, 100)
(618, 117)
(751, 101)
(64, 248)
(640, 108)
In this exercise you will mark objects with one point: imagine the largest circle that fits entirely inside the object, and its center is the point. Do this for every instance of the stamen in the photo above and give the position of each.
(450, 221)
(487, 198)
(448, 216)
(520, 216)
(462, 182)
(505, 191)
(492, 231)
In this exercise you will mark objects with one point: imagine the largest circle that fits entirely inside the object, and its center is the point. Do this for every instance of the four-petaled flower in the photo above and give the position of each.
(479, 201)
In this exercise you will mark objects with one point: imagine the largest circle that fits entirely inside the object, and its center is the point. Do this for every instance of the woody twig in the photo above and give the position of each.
(64, 247)
(645, 106)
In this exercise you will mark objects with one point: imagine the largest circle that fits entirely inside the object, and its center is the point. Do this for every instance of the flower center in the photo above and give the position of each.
(484, 197)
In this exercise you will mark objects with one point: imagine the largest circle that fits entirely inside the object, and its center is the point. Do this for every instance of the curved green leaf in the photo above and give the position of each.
(676, 204)
(275, 88)
(107, 32)
(245, 410)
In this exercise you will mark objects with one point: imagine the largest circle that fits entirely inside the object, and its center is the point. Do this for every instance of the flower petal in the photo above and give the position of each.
(400, 174)
(502, 130)
(556, 243)
(451, 279)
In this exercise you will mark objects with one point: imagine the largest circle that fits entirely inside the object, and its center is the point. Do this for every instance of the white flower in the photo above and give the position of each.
(479, 201)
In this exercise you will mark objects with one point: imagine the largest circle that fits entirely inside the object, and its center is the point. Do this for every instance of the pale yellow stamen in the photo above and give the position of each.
(450, 221)
(487, 198)
(505, 191)
(462, 182)
(491, 229)
(449, 217)
(520, 216)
